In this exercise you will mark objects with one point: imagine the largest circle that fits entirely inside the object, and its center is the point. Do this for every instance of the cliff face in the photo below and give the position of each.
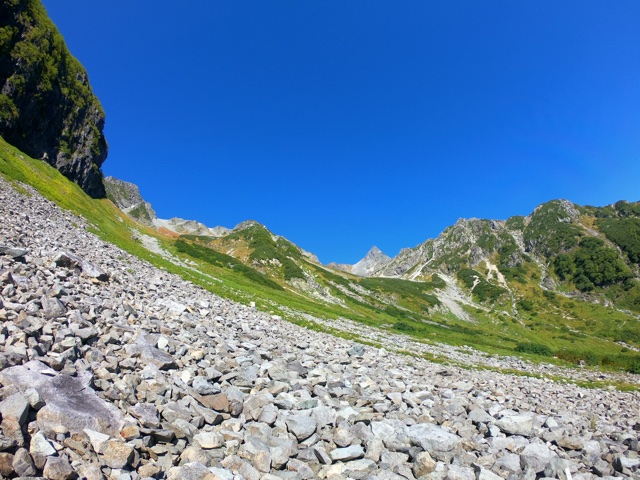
(126, 196)
(47, 108)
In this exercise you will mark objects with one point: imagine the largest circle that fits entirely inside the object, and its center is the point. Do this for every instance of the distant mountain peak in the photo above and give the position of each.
(247, 224)
(373, 260)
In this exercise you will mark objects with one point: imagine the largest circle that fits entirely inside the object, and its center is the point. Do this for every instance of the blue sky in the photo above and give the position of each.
(341, 125)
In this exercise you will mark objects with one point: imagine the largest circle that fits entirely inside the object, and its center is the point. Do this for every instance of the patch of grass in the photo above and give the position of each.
(225, 261)
(405, 289)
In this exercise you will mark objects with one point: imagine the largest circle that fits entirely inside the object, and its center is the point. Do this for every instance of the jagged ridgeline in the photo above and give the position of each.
(562, 247)
(47, 107)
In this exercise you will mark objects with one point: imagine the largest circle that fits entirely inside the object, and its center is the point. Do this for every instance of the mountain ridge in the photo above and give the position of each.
(478, 260)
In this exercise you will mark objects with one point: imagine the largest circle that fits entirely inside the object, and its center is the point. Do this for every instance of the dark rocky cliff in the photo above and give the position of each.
(47, 107)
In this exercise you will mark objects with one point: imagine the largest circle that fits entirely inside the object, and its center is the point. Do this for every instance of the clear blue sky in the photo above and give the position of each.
(344, 124)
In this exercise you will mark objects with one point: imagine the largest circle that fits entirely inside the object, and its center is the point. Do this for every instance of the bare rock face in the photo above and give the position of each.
(126, 196)
(373, 261)
(48, 109)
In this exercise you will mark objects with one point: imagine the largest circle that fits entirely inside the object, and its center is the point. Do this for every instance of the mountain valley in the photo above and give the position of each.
(139, 348)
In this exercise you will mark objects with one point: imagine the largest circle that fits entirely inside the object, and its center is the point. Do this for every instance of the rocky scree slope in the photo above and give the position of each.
(113, 369)
(47, 108)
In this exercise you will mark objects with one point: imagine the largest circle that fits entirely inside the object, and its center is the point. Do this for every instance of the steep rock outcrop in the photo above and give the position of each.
(126, 196)
(47, 107)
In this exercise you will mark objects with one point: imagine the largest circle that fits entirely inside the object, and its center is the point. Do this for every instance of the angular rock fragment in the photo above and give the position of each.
(433, 439)
(58, 468)
(516, 425)
(15, 252)
(144, 348)
(23, 464)
(302, 426)
(116, 454)
(15, 407)
(352, 452)
(69, 260)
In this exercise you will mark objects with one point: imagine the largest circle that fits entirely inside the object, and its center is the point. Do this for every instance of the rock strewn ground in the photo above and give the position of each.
(112, 369)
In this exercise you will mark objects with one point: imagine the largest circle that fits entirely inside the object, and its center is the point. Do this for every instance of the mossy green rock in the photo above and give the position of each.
(47, 107)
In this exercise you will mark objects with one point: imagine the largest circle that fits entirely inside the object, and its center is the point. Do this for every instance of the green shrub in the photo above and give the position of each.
(394, 311)
(437, 282)
(535, 349)
(525, 304)
(625, 233)
(592, 265)
(404, 327)
(483, 290)
(634, 365)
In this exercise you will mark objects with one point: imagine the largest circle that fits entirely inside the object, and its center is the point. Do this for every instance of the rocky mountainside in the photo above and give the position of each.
(588, 252)
(47, 108)
(126, 196)
(111, 368)
(190, 227)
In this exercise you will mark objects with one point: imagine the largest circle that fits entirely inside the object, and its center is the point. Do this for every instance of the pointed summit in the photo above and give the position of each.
(373, 260)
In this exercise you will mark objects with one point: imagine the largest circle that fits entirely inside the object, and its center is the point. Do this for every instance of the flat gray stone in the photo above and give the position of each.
(479, 415)
(352, 452)
(516, 425)
(147, 414)
(209, 440)
(69, 260)
(536, 456)
(15, 407)
(15, 252)
(71, 404)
